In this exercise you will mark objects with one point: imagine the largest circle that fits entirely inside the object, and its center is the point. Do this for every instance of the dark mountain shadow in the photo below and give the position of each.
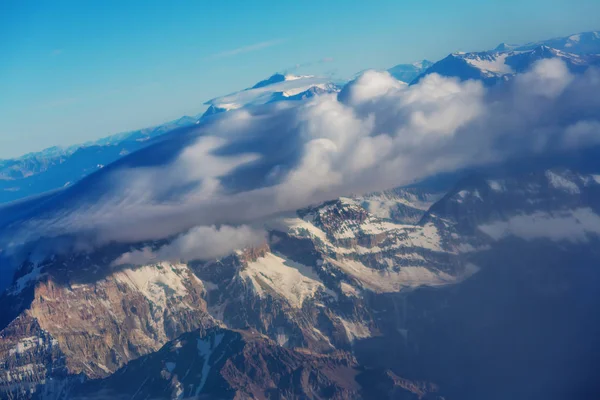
(525, 327)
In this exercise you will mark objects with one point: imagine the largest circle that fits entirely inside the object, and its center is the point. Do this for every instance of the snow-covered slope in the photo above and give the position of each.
(329, 278)
(580, 43)
(578, 51)
(492, 67)
(277, 87)
(56, 167)
(408, 72)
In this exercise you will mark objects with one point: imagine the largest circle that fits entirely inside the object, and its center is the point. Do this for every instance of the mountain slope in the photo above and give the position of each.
(494, 67)
(580, 43)
(56, 168)
(276, 88)
(578, 51)
(336, 278)
(408, 72)
(228, 364)
(309, 287)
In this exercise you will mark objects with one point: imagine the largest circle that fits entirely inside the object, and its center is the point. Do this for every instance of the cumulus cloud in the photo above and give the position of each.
(242, 166)
(199, 243)
(548, 79)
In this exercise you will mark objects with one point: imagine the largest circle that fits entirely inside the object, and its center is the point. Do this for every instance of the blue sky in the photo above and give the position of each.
(76, 71)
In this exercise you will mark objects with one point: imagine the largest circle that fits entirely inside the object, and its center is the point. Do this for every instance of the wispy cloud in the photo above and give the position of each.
(248, 49)
(57, 52)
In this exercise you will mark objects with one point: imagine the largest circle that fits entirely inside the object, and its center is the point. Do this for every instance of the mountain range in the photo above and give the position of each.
(55, 167)
(479, 283)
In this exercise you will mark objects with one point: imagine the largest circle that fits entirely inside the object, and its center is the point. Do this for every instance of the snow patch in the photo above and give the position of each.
(393, 280)
(25, 344)
(495, 64)
(355, 330)
(27, 279)
(559, 182)
(496, 186)
(263, 94)
(292, 281)
(595, 178)
(349, 290)
(205, 350)
(157, 282)
(426, 236)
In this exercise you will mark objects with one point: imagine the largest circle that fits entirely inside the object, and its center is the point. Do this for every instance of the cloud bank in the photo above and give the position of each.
(572, 225)
(242, 166)
(201, 242)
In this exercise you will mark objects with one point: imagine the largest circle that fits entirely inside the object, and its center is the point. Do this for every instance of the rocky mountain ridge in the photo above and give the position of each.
(331, 278)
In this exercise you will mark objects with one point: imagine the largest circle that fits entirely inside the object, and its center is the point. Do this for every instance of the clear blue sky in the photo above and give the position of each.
(80, 70)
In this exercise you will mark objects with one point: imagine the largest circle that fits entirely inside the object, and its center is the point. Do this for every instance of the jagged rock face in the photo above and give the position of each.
(29, 354)
(400, 205)
(331, 278)
(227, 364)
(311, 286)
(94, 328)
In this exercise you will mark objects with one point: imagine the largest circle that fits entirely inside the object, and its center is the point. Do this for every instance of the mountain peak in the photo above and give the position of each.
(502, 47)
(277, 78)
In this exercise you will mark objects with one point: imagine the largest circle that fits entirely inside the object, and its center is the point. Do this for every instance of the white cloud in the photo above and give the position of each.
(572, 225)
(199, 243)
(582, 133)
(369, 86)
(548, 78)
(242, 166)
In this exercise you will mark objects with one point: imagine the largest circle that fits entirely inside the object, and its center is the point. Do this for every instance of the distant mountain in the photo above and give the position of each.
(581, 43)
(495, 66)
(278, 87)
(408, 72)
(275, 78)
(57, 167)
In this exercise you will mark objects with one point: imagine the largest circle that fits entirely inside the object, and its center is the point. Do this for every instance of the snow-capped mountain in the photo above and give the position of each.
(332, 282)
(483, 287)
(492, 67)
(276, 88)
(56, 167)
(580, 43)
(577, 51)
(408, 72)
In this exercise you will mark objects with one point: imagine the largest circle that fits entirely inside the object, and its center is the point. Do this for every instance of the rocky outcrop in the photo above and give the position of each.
(331, 278)
(228, 364)
(92, 329)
